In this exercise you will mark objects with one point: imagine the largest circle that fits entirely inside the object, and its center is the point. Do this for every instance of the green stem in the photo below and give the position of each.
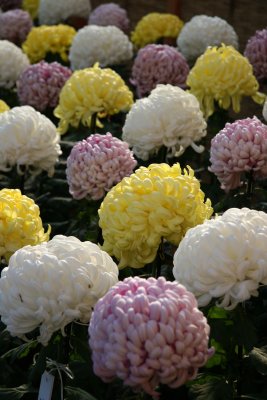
(250, 181)
(156, 265)
(93, 123)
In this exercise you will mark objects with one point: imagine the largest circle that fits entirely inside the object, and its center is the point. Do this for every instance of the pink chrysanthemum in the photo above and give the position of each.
(6, 5)
(40, 84)
(96, 164)
(110, 14)
(156, 63)
(256, 52)
(148, 332)
(238, 148)
(15, 25)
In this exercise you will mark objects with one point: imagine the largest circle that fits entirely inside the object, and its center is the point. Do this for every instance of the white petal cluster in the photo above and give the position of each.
(107, 45)
(52, 12)
(203, 31)
(13, 63)
(224, 258)
(169, 116)
(264, 111)
(52, 284)
(28, 138)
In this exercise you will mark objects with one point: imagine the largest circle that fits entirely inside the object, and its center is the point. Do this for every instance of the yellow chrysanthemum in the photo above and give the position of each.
(3, 106)
(48, 39)
(155, 26)
(222, 74)
(89, 91)
(31, 6)
(153, 203)
(20, 222)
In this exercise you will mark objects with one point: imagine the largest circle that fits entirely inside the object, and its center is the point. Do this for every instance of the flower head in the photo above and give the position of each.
(48, 39)
(157, 63)
(20, 223)
(28, 139)
(203, 31)
(40, 84)
(96, 164)
(153, 203)
(52, 12)
(169, 117)
(222, 74)
(110, 14)
(148, 332)
(13, 62)
(3, 106)
(15, 26)
(264, 110)
(238, 148)
(89, 91)
(155, 26)
(30, 294)
(6, 5)
(256, 52)
(31, 6)
(224, 258)
(108, 46)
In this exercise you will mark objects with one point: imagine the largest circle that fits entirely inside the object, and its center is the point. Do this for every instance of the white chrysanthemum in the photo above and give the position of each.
(169, 116)
(28, 138)
(224, 258)
(264, 111)
(51, 12)
(203, 31)
(107, 45)
(13, 63)
(52, 284)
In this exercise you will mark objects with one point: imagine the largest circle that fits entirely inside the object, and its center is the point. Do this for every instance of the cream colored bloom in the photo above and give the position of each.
(264, 110)
(169, 117)
(51, 12)
(107, 45)
(13, 63)
(52, 284)
(224, 258)
(28, 139)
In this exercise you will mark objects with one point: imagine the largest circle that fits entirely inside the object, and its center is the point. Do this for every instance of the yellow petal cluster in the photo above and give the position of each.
(20, 222)
(32, 6)
(44, 39)
(155, 26)
(89, 91)
(154, 203)
(3, 106)
(223, 75)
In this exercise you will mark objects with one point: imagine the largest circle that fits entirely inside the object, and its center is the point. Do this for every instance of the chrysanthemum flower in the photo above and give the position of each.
(148, 332)
(6, 5)
(157, 63)
(3, 106)
(13, 62)
(28, 139)
(264, 110)
(110, 14)
(203, 31)
(96, 164)
(20, 225)
(108, 46)
(31, 6)
(15, 26)
(52, 284)
(155, 26)
(256, 52)
(52, 12)
(40, 84)
(169, 117)
(89, 91)
(48, 39)
(153, 203)
(224, 258)
(238, 148)
(222, 74)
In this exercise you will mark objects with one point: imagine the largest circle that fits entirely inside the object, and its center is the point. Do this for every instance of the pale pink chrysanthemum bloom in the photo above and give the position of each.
(148, 332)
(96, 164)
(238, 148)
(256, 52)
(158, 63)
(40, 84)
(110, 14)
(15, 25)
(6, 5)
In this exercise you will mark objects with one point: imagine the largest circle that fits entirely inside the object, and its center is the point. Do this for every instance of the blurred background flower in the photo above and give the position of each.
(31, 6)
(15, 26)
(13, 63)
(110, 14)
(256, 52)
(3, 106)
(52, 12)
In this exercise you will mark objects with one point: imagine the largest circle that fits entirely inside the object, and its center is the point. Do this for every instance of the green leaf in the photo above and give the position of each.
(15, 393)
(74, 393)
(258, 358)
(212, 390)
(20, 351)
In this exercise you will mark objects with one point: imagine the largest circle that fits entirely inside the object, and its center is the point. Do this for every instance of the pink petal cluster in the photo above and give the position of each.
(110, 14)
(238, 148)
(6, 5)
(40, 84)
(256, 52)
(156, 63)
(96, 164)
(15, 25)
(148, 332)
